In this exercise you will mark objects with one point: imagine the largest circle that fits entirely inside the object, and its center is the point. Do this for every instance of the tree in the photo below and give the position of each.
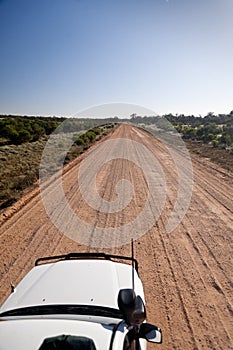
(23, 136)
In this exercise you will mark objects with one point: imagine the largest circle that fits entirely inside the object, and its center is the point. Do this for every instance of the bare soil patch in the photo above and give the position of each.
(218, 155)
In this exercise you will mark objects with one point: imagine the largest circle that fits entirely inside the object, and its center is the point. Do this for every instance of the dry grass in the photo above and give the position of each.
(19, 166)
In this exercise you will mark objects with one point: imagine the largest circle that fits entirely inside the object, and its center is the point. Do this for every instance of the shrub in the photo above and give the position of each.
(90, 135)
(80, 141)
(96, 130)
(215, 143)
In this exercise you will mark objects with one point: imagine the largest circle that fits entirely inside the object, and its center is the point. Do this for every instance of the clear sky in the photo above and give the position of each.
(61, 56)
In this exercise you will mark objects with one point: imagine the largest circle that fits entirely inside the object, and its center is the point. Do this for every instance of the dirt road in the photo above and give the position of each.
(187, 275)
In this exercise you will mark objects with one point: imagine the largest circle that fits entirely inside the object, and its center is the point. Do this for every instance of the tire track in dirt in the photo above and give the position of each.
(212, 279)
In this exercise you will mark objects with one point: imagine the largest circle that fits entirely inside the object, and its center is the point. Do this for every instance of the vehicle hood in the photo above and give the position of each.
(74, 282)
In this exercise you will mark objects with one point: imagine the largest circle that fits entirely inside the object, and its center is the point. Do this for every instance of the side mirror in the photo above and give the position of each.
(131, 306)
(151, 333)
(126, 300)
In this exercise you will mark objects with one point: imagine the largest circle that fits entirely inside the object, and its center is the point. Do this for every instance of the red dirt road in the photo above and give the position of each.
(187, 275)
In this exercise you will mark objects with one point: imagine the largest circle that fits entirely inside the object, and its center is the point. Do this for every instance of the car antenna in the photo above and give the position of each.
(132, 256)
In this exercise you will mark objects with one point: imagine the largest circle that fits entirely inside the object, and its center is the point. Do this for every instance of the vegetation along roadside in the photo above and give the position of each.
(210, 136)
(22, 141)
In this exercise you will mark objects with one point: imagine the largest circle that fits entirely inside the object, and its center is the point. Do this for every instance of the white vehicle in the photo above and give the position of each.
(78, 301)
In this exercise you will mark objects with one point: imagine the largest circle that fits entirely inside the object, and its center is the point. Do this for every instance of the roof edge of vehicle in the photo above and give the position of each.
(34, 290)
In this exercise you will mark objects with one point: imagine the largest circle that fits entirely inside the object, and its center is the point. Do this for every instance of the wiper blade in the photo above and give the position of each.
(64, 310)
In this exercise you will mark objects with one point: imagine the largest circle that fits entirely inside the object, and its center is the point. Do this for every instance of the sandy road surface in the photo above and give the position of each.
(187, 275)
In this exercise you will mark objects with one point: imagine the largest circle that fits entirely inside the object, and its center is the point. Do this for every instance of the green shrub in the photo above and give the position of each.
(96, 130)
(215, 143)
(80, 141)
(90, 135)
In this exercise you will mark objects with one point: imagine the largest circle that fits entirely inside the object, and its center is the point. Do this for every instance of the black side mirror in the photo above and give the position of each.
(126, 300)
(151, 333)
(131, 306)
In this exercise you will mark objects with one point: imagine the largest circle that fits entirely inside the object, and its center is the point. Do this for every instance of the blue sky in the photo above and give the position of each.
(62, 56)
